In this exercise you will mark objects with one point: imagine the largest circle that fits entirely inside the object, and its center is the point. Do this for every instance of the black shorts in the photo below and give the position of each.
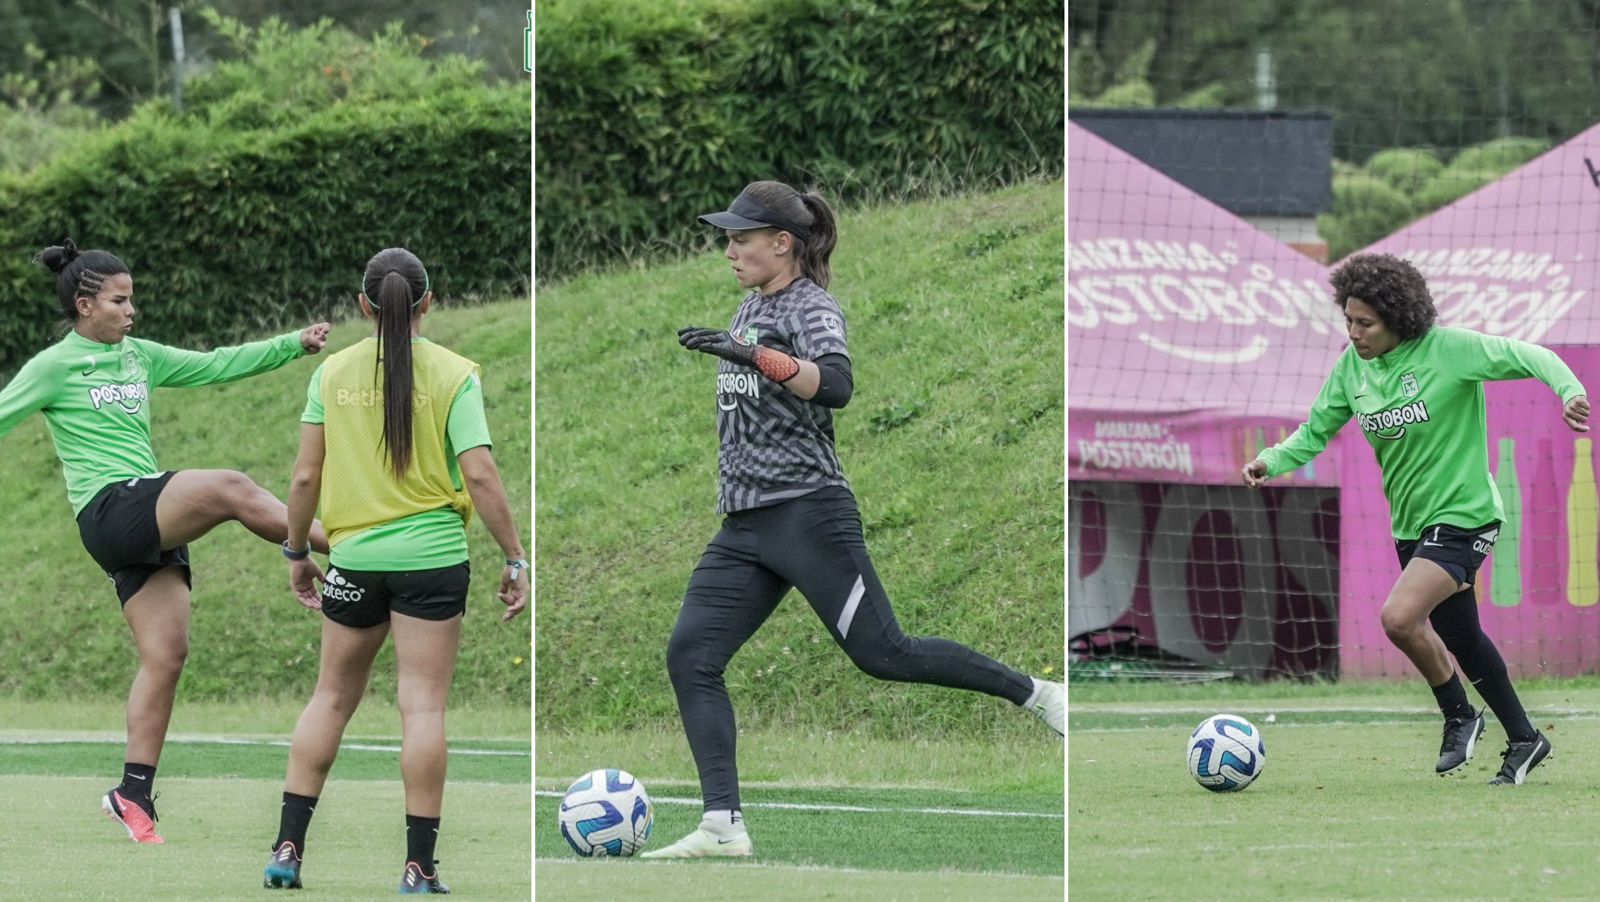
(119, 530)
(365, 598)
(1459, 551)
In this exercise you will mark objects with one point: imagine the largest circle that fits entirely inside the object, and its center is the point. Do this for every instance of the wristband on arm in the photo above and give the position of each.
(775, 365)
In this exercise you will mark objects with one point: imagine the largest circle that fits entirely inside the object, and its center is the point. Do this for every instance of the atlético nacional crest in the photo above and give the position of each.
(750, 335)
(1408, 384)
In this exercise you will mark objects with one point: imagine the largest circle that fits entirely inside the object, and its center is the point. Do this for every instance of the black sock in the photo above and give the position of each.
(1452, 698)
(1456, 622)
(421, 834)
(136, 780)
(296, 817)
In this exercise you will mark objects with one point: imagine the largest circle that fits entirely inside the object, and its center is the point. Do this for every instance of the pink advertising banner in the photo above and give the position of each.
(1520, 257)
(1193, 339)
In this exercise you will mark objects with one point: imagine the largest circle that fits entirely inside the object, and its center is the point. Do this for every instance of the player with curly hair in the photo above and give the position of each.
(1416, 389)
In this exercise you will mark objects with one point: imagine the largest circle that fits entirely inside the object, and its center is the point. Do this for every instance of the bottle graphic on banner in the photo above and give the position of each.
(1543, 586)
(1505, 579)
(1583, 582)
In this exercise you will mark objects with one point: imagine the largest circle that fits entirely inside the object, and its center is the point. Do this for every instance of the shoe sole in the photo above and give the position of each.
(1472, 746)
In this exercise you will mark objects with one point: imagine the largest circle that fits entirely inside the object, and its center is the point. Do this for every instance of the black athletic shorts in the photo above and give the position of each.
(365, 598)
(119, 530)
(1459, 551)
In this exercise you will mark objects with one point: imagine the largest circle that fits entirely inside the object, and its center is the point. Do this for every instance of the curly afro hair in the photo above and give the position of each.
(1392, 287)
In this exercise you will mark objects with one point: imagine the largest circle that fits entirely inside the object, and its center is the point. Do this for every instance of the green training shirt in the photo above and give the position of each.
(1421, 408)
(96, 399)
(426, 540)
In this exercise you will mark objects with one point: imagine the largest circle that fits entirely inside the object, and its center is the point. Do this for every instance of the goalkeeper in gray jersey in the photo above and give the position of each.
(791, 520)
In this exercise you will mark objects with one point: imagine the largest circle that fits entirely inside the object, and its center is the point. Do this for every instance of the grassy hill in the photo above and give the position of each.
(952, 443)
(59, 622)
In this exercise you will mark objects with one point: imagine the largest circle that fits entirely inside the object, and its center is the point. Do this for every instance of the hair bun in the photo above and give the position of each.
(57, 257)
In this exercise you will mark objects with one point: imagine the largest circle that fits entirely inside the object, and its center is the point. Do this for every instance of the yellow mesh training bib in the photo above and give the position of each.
(359, 490)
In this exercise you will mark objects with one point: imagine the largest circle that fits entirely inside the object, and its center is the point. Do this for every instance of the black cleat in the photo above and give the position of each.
(414, 882)
(1460, 739)
(283, 868)
(1521, 757)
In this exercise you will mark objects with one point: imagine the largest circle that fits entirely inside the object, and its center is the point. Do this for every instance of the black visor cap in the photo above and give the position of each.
(747, 213)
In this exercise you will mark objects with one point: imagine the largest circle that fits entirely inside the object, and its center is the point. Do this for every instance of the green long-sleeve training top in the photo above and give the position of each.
(1421, 408)
(96, 399)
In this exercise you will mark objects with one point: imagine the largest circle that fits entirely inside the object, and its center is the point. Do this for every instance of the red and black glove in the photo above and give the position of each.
(775, 365)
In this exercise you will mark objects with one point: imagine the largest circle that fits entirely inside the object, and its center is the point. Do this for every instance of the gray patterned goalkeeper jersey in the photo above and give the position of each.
(774, 445)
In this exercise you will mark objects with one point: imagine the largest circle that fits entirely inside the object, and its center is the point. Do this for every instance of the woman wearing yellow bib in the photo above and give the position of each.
(394, 449)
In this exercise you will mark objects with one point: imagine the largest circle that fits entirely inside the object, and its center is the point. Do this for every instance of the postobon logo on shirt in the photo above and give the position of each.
(1391, 424)
(746, 383)
(129, 396)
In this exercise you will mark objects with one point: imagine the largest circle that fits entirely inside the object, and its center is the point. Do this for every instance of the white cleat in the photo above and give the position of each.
(1051, 704)
(702, 843)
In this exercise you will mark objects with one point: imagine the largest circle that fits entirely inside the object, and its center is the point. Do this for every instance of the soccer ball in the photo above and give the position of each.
(1226, 753)
(606, 812)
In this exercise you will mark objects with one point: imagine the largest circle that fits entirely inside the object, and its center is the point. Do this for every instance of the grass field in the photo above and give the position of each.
(220, 787)
(1347, 808)
(833, 816)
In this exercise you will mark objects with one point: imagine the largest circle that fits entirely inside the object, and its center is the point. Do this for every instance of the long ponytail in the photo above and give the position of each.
(395, 284)
(814, 252)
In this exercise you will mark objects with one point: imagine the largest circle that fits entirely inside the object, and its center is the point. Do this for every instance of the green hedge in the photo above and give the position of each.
(260, 204)
(650, 113)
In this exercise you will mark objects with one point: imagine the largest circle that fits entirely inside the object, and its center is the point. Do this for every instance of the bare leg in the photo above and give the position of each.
(346, 662)
(425, 653)
(196, 501)
(159, 618)
(1422, 586)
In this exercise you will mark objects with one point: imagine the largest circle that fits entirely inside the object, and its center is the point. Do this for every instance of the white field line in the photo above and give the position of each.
(280, 743)
(857, 809)
(1213, 708)
(743, 864)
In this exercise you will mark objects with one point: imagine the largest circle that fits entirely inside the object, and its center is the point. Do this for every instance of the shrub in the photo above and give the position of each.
(1407, 169)
(236, 217)
(651, 113)
(1365, 209)
(1499, 156)
(1453, 184)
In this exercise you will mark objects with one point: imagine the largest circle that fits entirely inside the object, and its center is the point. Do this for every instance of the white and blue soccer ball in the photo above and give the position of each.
(605, 813)
(1226, 753)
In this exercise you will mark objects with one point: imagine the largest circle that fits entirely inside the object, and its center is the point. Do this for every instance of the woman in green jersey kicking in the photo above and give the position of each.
(394, 448)
(136, 520)
(1417, 391)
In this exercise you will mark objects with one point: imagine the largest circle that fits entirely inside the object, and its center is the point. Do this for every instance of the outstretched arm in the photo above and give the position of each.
(181, 368)
(1329, 412)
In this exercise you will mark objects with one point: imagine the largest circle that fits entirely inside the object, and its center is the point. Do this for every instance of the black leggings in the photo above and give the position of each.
(812, 543)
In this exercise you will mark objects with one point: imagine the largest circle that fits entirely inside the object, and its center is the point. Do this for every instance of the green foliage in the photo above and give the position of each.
(1498, 156)
(42, 109)
(281, 74)
(248, 636)
(1407, 169)
(952, 443)
(1365, 209)
(259, 204)
(1451, 185)
(650, 114)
